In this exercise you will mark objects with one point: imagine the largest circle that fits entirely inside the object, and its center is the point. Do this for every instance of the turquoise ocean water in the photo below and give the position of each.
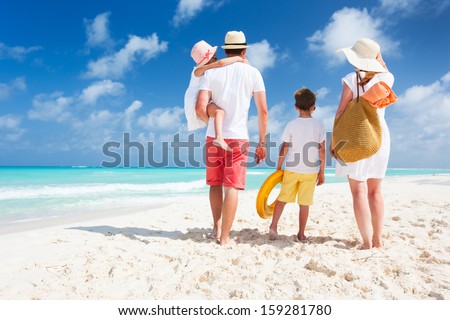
(32, 193)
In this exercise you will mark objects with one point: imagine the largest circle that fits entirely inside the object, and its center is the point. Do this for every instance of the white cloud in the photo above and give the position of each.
(10, 127)
(163, 119)
(9, 122)
(6, 89)
(16, 53)
(402, 6)
(279, 115)
(129, 114)
(116, 65)
(412, 7)
(97, 31)
(91, 94)
(326, 114)
(345, 27)
(92, 132)
(53, 107)
(322, 93)
(19, 84)
(419, 128)
(446, 78)
(261, 55)
(89, 131)
(188, 9)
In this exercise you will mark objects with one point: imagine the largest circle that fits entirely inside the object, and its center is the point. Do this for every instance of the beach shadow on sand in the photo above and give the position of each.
(130, 232)
(252, 237)
(199, 235)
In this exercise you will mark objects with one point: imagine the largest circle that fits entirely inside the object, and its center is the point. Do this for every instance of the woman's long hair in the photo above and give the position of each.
(367, 77)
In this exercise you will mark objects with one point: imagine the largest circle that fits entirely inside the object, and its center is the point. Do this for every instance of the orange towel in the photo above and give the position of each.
(380, 95)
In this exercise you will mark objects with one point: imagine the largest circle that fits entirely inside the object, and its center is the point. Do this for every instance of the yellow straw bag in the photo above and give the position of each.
(357, 132)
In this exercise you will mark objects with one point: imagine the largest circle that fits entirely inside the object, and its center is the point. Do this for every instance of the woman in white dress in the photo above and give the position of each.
(365, 175)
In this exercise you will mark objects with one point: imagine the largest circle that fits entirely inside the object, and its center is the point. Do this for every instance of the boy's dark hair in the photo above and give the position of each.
(234, 51)
(304, 98)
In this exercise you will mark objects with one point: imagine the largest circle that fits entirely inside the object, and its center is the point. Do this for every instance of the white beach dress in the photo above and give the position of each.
(190, 99)
(375, 166)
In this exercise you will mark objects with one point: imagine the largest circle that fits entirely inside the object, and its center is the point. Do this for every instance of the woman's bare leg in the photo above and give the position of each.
(376, 204)
(362, 210)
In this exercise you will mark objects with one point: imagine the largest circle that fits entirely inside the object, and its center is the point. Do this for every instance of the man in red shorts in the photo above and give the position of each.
(231, 87)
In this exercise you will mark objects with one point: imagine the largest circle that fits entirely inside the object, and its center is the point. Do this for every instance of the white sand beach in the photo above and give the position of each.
(164, 253)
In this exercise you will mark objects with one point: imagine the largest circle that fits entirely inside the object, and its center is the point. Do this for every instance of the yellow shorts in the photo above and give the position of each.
(300, 185)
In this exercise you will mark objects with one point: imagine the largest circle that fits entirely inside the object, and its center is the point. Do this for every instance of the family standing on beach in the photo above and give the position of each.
(219, 96)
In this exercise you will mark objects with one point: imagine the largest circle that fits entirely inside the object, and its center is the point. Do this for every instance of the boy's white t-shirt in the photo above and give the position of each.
(304, 136)
(232, 88)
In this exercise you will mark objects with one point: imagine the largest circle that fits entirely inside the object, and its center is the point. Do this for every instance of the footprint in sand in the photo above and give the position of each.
(315, 266)
(350, 277)
(436, 295)
(427, 257)
(433, 232)
(206, 277)
(441, 223)
(420, 225)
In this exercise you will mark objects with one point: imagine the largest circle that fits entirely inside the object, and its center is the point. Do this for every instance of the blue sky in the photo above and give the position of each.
(75, 75)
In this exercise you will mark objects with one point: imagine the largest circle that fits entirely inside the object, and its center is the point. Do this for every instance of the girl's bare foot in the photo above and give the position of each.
(219, 142)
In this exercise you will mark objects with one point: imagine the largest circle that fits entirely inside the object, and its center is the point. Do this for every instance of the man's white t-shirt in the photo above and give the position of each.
(304, 136)
(232, 88)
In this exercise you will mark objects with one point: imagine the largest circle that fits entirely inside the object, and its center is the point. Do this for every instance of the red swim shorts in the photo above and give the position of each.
(227, 168)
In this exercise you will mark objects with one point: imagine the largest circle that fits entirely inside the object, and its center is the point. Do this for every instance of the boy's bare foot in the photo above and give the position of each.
(219, 142)
(301, 237)
(273, 235)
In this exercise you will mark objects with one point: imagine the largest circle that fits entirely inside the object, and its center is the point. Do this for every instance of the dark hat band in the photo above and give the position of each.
(236, 44)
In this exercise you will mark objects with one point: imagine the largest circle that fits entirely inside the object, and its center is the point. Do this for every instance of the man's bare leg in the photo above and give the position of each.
(230, 204)
(216, 203)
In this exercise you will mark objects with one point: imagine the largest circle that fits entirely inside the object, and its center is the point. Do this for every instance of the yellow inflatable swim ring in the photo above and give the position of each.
(264, 210)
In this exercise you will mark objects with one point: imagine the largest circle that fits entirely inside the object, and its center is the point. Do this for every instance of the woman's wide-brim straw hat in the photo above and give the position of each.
(235, 40)
(202, 52)
(363, 55)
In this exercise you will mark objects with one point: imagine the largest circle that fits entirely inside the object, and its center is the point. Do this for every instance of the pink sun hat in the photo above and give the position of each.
(202, 52)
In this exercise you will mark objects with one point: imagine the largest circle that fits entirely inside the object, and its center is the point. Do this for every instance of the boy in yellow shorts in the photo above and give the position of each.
(303, 149)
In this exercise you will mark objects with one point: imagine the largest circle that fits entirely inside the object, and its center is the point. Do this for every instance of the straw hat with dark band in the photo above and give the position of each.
(235, 40)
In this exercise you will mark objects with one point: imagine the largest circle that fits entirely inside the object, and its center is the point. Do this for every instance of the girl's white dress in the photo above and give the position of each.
(190, 99)
(375, 166)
